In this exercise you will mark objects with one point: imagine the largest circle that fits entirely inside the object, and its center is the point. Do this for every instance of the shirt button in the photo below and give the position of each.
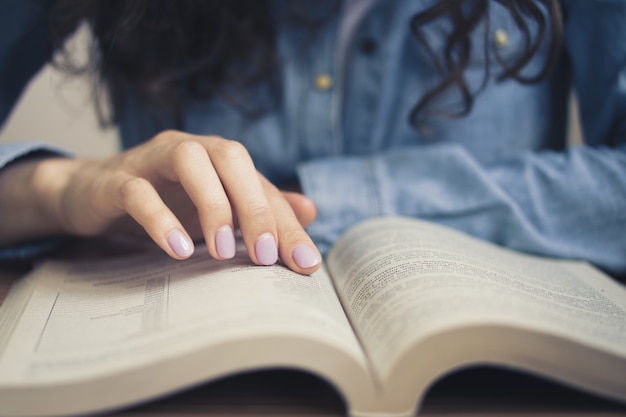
(323, 82)
(501, 38)
(368, 46)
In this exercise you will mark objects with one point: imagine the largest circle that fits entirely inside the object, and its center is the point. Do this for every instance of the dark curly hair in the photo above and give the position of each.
(172, 50)
(454, 59)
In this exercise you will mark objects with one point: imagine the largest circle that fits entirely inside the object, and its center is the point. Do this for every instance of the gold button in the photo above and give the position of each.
(501, 38)
(323, 82)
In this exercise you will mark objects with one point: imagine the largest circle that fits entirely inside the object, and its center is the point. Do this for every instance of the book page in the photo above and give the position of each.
(91, 318)
(402, 279)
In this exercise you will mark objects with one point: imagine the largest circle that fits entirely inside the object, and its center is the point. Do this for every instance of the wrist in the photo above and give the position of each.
(31, 191)
(50, 180)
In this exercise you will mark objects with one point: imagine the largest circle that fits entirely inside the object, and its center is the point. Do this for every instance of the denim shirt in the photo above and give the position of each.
(340, 126)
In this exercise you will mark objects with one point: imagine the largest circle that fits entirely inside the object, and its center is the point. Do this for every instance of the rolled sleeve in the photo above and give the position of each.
(535, 202)
(345, 191)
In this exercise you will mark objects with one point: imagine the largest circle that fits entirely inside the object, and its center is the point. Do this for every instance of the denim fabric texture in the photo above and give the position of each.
(504, 173)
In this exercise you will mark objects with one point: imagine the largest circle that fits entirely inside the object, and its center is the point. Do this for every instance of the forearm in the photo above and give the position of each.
(30, 191)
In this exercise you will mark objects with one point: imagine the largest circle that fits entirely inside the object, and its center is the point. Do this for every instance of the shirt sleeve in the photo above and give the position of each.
(567, 203)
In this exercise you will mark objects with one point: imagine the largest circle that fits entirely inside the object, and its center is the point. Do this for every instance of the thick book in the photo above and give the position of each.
(398, 304)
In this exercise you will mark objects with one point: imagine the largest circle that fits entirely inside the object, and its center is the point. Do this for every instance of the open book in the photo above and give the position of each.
(398, 304)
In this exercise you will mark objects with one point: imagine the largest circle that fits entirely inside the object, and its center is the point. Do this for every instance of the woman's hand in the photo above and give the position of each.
(180, 187)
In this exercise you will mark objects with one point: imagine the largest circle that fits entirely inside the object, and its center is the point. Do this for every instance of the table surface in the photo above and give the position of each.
(478, 392)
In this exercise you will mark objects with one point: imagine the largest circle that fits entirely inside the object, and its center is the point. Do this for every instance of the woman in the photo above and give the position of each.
(452, 111)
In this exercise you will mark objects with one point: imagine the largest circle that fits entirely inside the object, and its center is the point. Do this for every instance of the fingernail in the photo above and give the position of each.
(305, 256)
(266, 249)
(225, 242)
(180, 243)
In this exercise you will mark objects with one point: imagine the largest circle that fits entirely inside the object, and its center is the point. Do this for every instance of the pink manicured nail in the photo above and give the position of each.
(305, 256)
(266, 249)
(180, 243)
(225, 242)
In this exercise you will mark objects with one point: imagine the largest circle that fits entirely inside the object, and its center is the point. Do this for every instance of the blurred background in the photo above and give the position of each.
(58, 108)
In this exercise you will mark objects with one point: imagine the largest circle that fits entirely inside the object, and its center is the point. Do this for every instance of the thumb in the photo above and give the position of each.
(303, 207)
